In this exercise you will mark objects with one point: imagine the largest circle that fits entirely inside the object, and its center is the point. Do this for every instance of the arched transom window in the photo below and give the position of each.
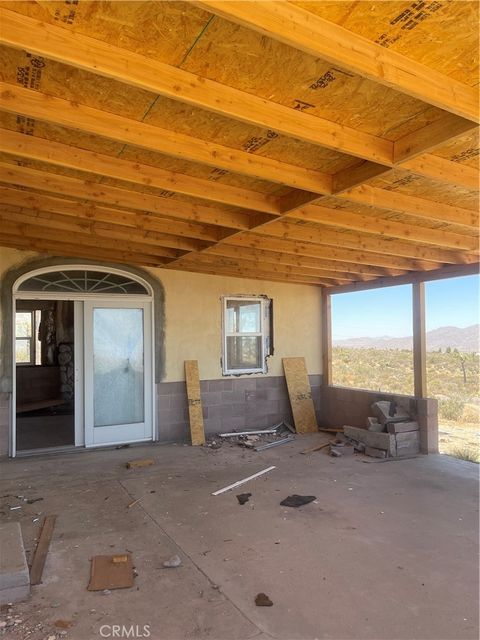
(83, 281)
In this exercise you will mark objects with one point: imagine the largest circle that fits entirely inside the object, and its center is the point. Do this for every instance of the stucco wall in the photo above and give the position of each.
(193, 321)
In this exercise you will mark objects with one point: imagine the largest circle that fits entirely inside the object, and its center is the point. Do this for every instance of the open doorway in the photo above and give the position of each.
(44, 356)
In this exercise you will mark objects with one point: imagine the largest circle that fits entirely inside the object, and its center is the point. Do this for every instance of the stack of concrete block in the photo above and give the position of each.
(389, 433)
(14, 574)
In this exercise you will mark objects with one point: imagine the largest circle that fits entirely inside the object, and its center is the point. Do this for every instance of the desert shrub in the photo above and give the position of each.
(471, 413)
(471, 454)
(451, 409)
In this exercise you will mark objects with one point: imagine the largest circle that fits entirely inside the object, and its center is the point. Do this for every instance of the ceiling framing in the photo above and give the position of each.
(323, 143)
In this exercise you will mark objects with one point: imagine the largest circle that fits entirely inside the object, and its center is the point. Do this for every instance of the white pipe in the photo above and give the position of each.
(237, 484)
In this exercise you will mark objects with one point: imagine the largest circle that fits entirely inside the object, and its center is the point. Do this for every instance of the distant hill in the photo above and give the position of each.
(467, 340)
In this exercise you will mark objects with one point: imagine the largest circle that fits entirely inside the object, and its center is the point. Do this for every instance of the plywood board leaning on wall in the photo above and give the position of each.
(300, 394)
(195, 411)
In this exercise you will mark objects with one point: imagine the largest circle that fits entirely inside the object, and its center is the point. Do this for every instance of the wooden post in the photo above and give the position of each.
(419, 340)
(326, 338)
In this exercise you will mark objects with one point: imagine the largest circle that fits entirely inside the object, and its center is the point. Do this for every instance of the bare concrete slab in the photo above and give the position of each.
(387, 551)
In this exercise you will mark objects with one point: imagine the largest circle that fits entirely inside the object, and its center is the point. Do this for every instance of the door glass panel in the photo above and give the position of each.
(118, 366)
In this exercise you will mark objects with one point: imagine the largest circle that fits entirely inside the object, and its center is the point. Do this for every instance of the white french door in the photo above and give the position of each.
(117, 372)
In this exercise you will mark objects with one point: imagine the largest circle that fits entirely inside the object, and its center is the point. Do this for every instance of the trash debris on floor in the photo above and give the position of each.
(240, 482)
(297, 501)
(243, 497)
(262, 600)
(318, 447)
(173, 562)
(256, 439)
(111, 572)
(136, 464)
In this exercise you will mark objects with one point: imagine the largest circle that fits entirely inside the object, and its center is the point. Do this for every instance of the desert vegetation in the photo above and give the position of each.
(453, 379)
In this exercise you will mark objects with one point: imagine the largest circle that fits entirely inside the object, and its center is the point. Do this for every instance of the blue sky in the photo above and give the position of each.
(387, 311)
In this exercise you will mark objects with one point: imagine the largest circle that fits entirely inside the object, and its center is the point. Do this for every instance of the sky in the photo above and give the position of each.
(388, 311)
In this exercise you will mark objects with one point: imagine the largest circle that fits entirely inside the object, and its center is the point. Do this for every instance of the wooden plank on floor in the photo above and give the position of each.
(195, 411)
(300, 395)
(111, 572)
(41, 551)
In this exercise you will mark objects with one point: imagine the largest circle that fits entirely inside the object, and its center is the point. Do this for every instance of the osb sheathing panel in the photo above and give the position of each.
(386, 214)
(413, 185)
(244, 59)
(465, 150)
(161, 30)
(441, 34)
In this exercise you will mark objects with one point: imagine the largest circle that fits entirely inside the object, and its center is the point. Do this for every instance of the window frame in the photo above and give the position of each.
(30, 339)
(264, 333)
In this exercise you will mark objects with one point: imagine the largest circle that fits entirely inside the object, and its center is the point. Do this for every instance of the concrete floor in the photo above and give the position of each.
(388, 550)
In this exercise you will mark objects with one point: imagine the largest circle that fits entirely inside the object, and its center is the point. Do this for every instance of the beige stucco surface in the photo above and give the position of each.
(193, 320)
(193, 324)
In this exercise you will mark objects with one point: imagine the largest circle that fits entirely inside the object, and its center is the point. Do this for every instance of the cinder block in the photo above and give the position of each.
(384, 441)
(382, 411)
(402, 427)
(14, 575)
(408, 444)
(375, 453)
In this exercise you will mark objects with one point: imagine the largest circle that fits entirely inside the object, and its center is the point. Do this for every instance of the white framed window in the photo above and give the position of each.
(27, 346)
(246, 334)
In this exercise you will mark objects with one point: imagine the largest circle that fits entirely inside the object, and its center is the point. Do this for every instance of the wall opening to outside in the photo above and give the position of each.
(453, 362)
(372, 344)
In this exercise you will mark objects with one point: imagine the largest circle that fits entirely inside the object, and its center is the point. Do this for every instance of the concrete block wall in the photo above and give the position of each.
(343, 406)
(228, 404)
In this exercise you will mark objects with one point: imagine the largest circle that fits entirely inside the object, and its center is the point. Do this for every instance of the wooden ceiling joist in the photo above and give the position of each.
(135, 70)
(331, 202)
(31, 104)
(321, 38)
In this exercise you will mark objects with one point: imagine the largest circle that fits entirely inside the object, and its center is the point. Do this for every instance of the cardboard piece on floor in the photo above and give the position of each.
(195, 411)
(300, 395)
(107, 572)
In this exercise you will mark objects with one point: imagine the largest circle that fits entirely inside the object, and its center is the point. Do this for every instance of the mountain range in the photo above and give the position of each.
(464, 339)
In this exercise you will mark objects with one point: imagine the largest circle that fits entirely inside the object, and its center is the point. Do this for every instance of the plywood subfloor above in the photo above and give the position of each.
(198, 136)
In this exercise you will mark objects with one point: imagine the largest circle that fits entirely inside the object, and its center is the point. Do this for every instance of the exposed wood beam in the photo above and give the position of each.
(321, 38)
(91, 212)
(246, 262)
(79, 250)
(433, 135)
(448, 271)
(419, 340)
(357, 256)
(33, 104)
(57, 222)
(343, 219)
(63, 155)
(443, 170)
(251, 274)
(63, 186)
(35, 232)
(358, 241)
(344, 269)
(412, 205)
(353, 176)
(104, 59)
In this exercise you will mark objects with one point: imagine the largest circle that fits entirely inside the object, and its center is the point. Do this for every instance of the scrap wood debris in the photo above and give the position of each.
(136, 464)
(255, 439)
(111, 572)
